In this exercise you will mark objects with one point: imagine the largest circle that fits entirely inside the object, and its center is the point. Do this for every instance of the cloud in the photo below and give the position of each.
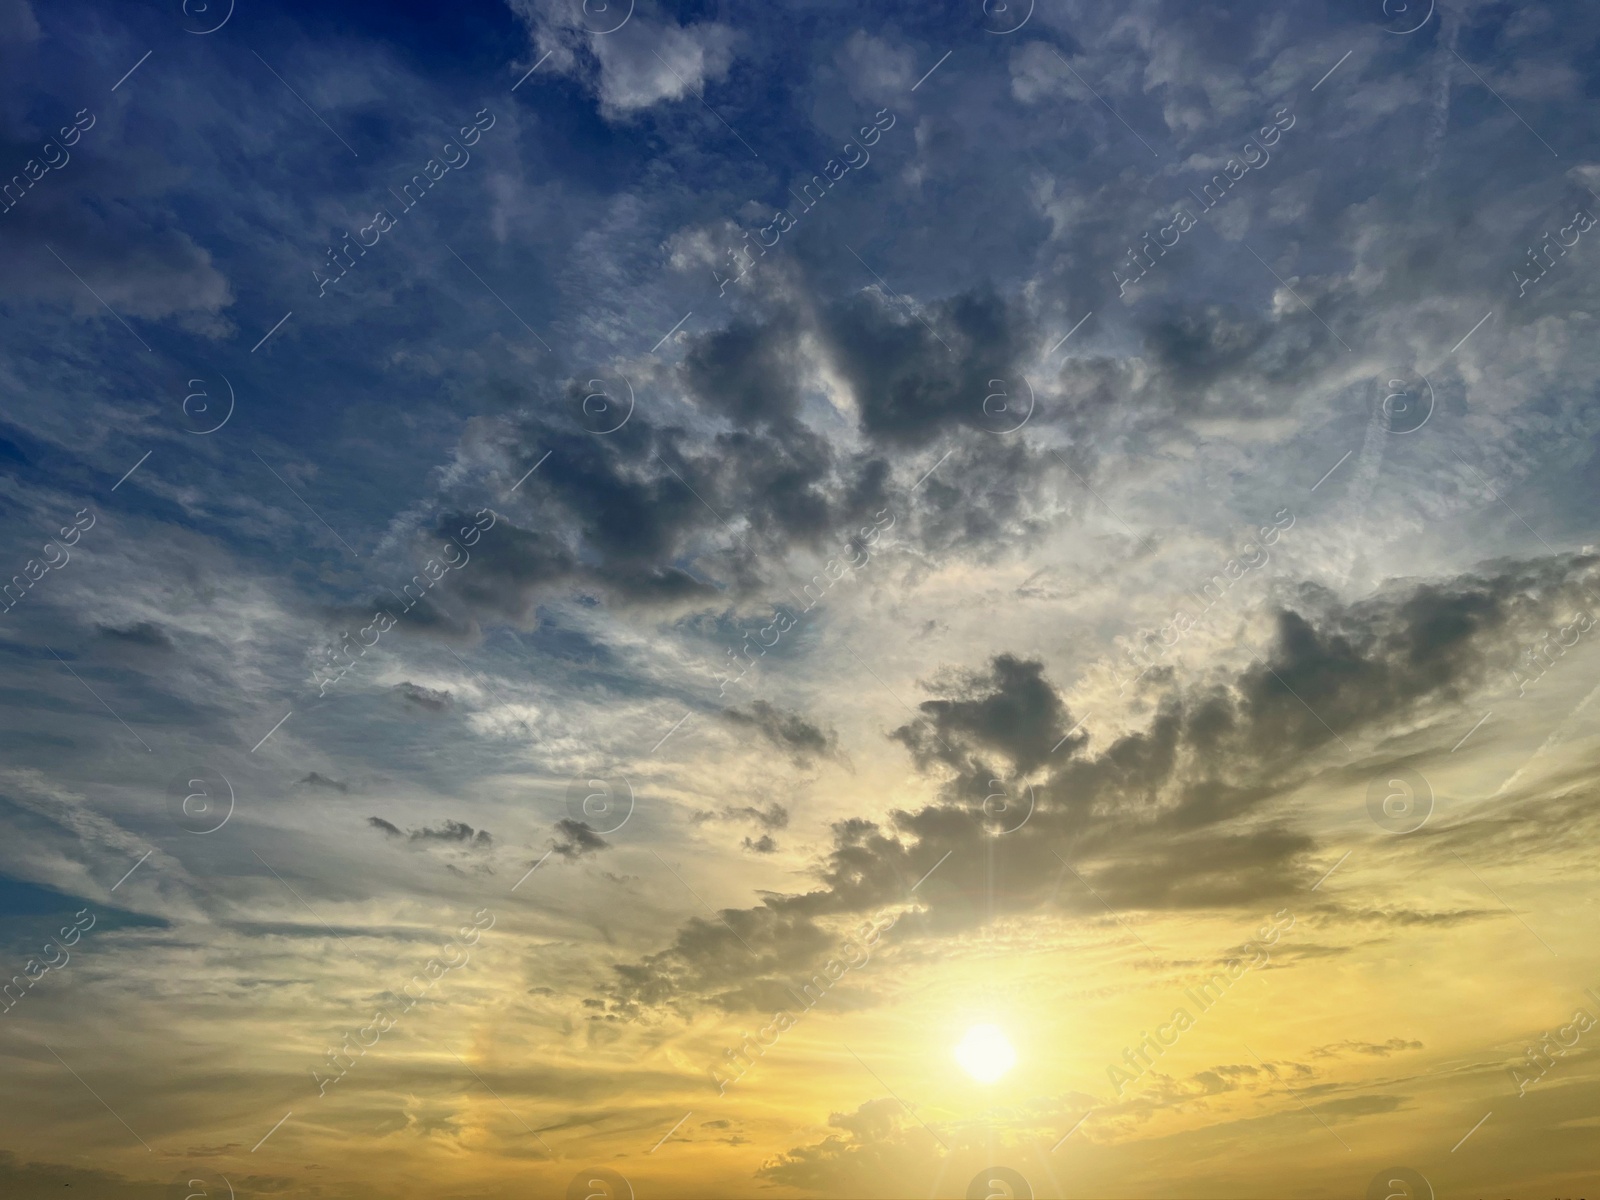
(1012, 711)
(1362, 1106)
(422, 697)
(453, 831)
(1371, 1049)
(1168, 816)
(773, 816)
(788, 731)
(659, 62)
(143, 634)
(915, 376)
(637, 516)
(447, 833)
(577, 840)
(630, 58)
(33, 1180)
(17, 22)
(322, 782)
(878, 1147)
(875, 71)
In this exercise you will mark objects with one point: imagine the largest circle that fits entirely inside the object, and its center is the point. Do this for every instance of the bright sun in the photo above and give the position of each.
(985, 1053)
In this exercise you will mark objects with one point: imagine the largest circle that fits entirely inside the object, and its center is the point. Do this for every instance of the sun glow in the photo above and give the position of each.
(985, 1053)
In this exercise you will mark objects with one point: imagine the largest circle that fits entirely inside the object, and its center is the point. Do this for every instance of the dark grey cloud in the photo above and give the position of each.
(1163, 817)
(143, 634)
(660, 515)
(1011, 712)
(913, 378)
(748, 373)
(576, 840)
(453, 831)
(321, 782)
(446, 833)
(422, 697)
(774, 816)
(789, 731)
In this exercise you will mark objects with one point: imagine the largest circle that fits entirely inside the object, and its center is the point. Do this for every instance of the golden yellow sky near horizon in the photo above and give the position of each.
(1375, 1031)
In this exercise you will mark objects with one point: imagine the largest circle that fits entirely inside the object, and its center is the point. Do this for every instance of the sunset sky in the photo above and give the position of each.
(626, 599)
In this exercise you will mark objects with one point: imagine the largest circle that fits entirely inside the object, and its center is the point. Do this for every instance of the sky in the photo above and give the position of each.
(627, 599)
